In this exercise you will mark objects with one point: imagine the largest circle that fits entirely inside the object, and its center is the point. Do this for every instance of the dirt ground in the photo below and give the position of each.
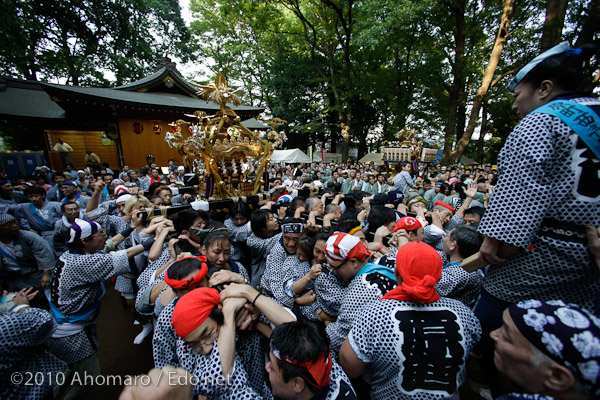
(120, 357)
(117, 354)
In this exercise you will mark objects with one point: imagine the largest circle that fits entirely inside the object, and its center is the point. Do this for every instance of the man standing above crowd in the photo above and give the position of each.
(534, 227)
(63, 149)
(92, 160)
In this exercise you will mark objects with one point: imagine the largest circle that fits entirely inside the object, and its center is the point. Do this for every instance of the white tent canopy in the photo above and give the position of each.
(372, 157)
(290, 156)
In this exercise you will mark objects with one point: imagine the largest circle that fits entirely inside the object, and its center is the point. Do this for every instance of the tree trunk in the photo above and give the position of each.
(590, 25)
(488, 75)
(458, 9)
(589, 29)
(401, 118)
(461, 113)
(345, 22)
(484, 115)
(553, 24)
(339, 106)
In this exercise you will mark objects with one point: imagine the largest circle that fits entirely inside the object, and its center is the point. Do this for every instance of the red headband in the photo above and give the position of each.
(319, 370)
(177, 284)
(448, 206)
(420, 268)
(193, 309)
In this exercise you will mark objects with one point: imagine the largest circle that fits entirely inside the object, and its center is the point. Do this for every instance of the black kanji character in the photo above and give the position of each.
(433, 350)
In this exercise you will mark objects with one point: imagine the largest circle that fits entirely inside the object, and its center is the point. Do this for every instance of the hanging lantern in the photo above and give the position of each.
(137, 128)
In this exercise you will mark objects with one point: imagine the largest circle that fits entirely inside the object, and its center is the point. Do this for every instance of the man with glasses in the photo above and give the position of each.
(75, 292)
(348, 259)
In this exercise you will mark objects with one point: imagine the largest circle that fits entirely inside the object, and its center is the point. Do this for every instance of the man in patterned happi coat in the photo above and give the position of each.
(413, 344)
(548, 191)
(348, 259)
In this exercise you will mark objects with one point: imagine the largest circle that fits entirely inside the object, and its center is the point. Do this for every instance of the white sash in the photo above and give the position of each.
(69, 329)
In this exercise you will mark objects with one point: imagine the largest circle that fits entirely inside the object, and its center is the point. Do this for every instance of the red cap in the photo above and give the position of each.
(408, 223)
(343, 246)
(420, 267)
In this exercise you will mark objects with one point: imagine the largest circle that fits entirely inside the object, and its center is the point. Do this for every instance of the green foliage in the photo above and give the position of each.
(80, 40)
(379, 65)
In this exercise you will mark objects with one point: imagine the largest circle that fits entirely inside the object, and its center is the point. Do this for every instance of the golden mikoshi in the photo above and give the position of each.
(220, 146)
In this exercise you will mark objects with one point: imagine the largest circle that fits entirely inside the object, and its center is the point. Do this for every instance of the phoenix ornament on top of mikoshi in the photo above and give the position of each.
(228, 158)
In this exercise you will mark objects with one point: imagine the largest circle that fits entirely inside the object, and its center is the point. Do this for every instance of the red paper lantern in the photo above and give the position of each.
(138, 128)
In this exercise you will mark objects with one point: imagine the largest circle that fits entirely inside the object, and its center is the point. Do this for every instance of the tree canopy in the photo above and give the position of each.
(341, 72)
(80, 41)
(439, 66)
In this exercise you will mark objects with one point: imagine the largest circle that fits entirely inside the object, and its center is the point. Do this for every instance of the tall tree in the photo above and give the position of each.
(417, 63)
(554, 22)
(456, 89)
(488, 76)
(398, 62)
(327, 26)
(79, 40)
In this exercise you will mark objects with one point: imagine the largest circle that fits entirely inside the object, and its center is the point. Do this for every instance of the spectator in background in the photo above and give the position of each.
(55, 193)
(10, 196)
(69, 169)
(92, 160)
(63, 149)
(28, 267)
(155, 176)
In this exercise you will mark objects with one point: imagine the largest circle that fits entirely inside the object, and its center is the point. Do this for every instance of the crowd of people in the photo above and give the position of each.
(348, 282)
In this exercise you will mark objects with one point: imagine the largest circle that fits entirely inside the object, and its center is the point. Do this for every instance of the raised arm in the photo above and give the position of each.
(301, 284)
(93, 203)
(470, 192)
(272, 311)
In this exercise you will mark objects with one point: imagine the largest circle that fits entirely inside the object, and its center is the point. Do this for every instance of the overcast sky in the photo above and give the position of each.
(185, 10)
(190, 69)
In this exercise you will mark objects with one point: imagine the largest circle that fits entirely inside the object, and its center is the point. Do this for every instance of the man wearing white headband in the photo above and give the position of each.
(75, 293)
(348, 259)
(121, 201)
(281, 258)
(62, 228)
